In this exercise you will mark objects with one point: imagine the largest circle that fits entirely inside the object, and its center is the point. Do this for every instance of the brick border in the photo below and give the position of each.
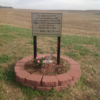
(39, 82)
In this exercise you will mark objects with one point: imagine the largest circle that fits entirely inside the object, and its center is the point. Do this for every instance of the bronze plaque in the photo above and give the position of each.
(46, 24)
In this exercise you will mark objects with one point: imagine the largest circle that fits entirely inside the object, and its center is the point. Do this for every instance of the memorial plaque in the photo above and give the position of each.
(47, 24)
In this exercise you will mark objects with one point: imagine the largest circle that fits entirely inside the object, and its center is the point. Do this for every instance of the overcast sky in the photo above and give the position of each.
(53, 4)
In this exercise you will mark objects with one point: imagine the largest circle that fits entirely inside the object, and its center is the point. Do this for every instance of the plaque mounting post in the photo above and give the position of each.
(35, 46)
(58, 51)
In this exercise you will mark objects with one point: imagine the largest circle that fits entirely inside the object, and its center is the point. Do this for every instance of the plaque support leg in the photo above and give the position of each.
(35, 46)
(58, 51)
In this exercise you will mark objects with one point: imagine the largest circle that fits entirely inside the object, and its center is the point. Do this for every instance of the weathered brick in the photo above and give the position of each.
(34, 80)
(75, 67)
(21, 76)
(73, 73)
(18, 69)
(57, 88)
(43, 88)
(65, 58)
(60, 88)
(71, 62)
(31, 86)
(20, 64)
(63, 79)
(72, 82)
(49, 81)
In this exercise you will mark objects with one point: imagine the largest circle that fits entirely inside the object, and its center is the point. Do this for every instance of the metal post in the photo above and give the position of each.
(58, 51)
(35, 46)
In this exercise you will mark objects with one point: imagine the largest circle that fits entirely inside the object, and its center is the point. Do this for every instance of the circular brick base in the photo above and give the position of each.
(40, 82)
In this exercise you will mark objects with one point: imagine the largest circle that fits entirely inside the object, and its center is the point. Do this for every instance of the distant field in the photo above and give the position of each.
(74, 22)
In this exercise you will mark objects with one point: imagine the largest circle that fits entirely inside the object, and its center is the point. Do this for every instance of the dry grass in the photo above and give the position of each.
(74, 22)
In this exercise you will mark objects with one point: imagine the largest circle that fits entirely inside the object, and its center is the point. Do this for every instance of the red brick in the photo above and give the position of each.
(31, 86)
(23, 61)
(39, 55)
(20, 64)
(60, 88)
(73, 73)
(43, 88)
(18, 69)
(55, 55)
(34, 79)
(26, 59)
(31, 57)
(71, 62)
(72, 82)
(49, 81)
(65, 58)
(63, 79)
(75, 67)
(21, 76)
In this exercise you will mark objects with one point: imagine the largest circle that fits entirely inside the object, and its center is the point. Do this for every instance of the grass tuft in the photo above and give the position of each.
(5, 38)
(82, 50)
(30, 42)
(7, 75)
(40, 50)
(30, 92)
(72, 55)
(4, 58)
(97, 54)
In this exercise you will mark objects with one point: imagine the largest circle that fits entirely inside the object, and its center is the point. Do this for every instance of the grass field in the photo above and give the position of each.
(73, 22)
(16, 43)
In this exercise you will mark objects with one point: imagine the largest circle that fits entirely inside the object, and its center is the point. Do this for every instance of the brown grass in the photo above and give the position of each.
(73, 22)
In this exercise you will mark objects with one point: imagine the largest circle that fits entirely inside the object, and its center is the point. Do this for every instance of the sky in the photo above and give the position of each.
(53, 4)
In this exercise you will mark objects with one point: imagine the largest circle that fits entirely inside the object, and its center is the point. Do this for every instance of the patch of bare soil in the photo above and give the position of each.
(50, 68)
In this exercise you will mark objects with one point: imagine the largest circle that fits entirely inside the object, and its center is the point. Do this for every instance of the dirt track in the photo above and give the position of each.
(74, 22)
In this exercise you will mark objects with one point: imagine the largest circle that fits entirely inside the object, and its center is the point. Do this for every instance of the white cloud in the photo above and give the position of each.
(53, 4)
